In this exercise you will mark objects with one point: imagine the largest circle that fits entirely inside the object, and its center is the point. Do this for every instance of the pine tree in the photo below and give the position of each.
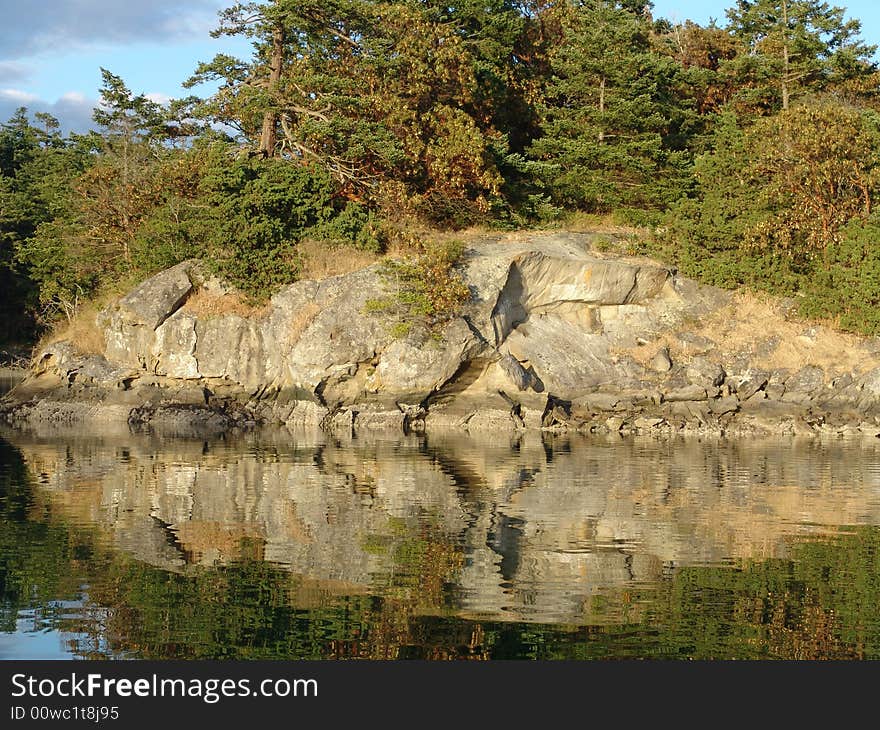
(607, 107)
(800, 45)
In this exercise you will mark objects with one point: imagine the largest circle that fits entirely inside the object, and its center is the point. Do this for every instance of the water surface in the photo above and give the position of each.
(298, 545)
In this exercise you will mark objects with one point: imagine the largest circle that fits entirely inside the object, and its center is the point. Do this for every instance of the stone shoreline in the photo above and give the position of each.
(556, 337)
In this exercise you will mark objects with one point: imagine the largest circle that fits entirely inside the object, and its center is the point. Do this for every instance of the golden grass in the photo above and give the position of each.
(320, 261)
(206, 303)
(744, 324)
(82, 330)
(608, 223)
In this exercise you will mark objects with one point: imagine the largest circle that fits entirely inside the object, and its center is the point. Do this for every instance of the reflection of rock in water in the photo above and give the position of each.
(543, 524)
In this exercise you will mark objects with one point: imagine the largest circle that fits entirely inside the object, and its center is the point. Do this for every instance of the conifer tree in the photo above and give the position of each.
(800, 45)
(606, 111)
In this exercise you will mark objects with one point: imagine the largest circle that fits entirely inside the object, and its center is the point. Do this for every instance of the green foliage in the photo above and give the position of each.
(256, 212)
(798, 46)
(760, 141)
(355, 224)
(822, 601)
(607, 113)
(424, 291)
(846, 288)
(39, 168)
(403, 103)
(785, 205)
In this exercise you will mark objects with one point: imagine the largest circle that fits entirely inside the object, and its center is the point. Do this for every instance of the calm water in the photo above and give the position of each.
(284, 545)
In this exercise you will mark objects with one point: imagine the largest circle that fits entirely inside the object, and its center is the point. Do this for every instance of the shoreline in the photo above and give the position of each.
(554, 337)
(655, 418)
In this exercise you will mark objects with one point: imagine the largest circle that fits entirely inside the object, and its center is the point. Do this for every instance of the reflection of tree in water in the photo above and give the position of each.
(821, 601)
(252, 609)
(36, 555)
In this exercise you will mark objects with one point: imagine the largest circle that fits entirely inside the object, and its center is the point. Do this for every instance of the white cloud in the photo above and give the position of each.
(73, 110)
(158, 98)
(20, 97)
(32, 27)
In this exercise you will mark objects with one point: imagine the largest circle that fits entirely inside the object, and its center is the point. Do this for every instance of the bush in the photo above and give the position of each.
(246, 217)
(846, 287)
(354, 225)
(425, 291)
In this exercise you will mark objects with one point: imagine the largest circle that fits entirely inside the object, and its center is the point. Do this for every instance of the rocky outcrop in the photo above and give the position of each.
(555, 336)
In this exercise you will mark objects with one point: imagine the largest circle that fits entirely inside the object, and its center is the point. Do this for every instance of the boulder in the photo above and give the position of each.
(705, 372)
(130, 324)
(413, 370)
(662, 362)
(687, 393)
(153, 301)
(174, 347)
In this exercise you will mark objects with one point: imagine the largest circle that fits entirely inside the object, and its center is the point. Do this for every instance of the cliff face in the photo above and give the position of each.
(555, 336)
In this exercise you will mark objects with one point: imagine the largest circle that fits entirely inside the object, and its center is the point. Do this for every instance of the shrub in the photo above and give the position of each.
(846, 287)
(424, 291)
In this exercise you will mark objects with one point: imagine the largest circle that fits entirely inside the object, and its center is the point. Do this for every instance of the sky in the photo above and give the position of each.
(51, 51)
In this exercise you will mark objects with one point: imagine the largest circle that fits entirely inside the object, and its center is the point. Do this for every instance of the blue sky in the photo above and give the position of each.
(702, 11)
(51, 51)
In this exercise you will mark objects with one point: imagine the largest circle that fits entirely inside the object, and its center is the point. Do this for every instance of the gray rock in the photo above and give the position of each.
(662, 362)
(518, 375)
(304, 414)
(775, 388)
(594, 402)
(153, 301)
(614, 423)
(720, 406)
(231, 347)
(174, 347)
(130, 323)
(705, 372)
(548, 322)
(417, 369)
(750, 383)
(805, 383)
(568, 359)
(380, 420)
(687, 393)
(340, 333)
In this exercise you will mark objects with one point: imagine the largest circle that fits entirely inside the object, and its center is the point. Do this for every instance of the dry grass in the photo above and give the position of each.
(608, 223)
(321, 262)
(746, 322)
(744, 326)
(82, 331)
(206, 303)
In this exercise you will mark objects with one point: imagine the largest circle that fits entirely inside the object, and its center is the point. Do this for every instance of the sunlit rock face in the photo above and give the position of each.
(533, 528)
(556, 335)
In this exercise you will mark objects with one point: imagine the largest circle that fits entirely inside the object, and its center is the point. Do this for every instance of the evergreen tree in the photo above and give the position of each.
(607, 108)
(404, 101)
(796, 46)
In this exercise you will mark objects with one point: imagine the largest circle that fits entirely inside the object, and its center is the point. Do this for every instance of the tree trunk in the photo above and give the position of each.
(269, 134)
(601, 109)
(785, 60)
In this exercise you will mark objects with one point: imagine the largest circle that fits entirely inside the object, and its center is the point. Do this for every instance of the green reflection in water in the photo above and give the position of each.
(819, 602)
